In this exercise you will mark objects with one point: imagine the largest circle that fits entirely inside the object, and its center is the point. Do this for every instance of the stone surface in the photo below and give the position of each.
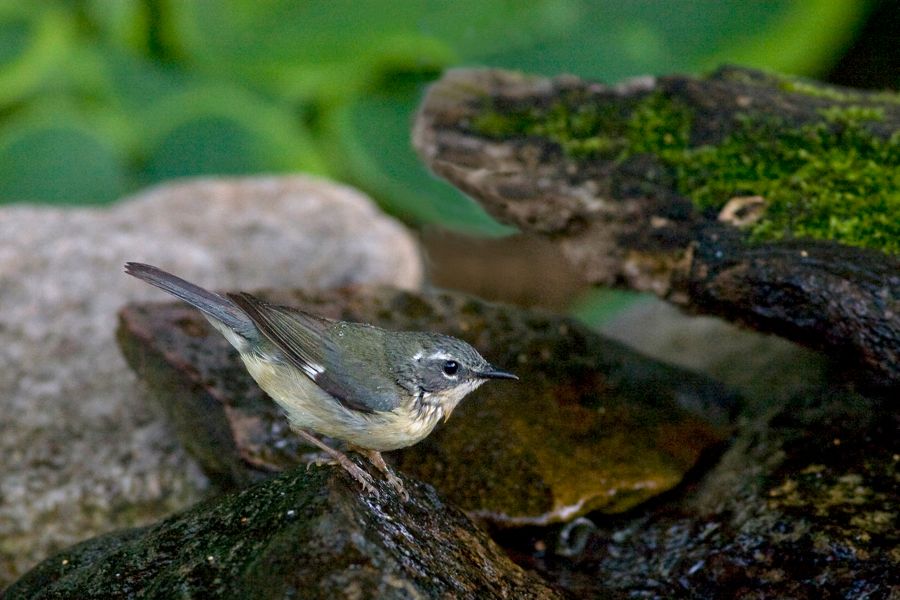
(591, 425)
(82, 451)
(802, 505)
(637, 185)
(305, 534)
(805, 504)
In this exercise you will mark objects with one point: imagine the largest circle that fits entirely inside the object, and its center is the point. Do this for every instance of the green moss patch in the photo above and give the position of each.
(586, 128)
(829, 180)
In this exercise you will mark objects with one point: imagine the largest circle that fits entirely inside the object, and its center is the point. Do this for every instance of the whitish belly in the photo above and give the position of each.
(308, 407)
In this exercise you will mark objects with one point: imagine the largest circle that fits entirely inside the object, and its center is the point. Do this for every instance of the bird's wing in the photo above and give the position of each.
(304, 341)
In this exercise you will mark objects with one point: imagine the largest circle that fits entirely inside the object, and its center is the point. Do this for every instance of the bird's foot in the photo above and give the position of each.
(395, 482)
(333, 456)
(364, 479)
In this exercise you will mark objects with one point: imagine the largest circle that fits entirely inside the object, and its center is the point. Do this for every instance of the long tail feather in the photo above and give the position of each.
(211, 304)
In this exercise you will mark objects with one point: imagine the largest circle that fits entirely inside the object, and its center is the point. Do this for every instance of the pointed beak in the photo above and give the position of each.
(493, 373)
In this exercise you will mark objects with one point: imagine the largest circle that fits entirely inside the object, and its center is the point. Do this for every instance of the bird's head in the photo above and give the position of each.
(442, 370)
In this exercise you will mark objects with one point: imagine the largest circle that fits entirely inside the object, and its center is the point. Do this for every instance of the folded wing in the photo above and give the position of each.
(305, 341)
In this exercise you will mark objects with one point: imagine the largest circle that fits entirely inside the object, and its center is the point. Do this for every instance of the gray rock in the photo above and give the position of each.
(305, 534)
(82, 451)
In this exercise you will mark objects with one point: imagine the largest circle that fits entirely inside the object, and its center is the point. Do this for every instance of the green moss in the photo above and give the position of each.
(808, 88)
(586, 128)
(827, 92)
(831, 180)
(582, 129)
(659, 125)
(850, 116)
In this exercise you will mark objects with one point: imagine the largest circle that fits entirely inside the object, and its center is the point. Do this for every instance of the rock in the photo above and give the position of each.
(81, 449)
(804, 505)
(305, 534)
(590, 425)
(736, 194)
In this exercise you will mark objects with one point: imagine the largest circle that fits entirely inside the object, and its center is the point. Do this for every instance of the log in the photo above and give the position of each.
(770, 201)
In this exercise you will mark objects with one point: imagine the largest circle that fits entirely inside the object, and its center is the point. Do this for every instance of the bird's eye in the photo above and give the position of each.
(451, 367)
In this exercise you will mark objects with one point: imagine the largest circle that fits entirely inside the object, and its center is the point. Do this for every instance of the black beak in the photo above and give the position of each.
(493, 373)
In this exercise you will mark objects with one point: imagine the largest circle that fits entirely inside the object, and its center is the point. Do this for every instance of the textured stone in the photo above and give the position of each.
(81, 449)
(591, 425)
(803, 505)
(627, 181)
(306, 534)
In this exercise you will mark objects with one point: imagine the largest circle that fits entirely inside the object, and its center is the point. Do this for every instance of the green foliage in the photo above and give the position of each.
(99, 97)
(85, 168)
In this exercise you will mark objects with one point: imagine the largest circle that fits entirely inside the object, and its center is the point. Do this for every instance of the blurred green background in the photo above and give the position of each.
(101, 97)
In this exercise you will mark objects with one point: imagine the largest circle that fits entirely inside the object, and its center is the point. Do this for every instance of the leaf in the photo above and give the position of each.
(59, 162)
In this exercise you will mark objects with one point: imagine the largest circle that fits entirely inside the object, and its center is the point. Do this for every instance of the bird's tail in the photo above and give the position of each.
(210, 304)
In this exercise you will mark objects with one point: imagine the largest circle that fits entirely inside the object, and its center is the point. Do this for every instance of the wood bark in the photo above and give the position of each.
(621, 222)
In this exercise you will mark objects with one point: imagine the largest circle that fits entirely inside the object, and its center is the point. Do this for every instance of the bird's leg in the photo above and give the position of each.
(340, 458)
(376, 459)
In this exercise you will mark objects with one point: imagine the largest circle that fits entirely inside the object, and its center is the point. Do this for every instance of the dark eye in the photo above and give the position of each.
(451, 367)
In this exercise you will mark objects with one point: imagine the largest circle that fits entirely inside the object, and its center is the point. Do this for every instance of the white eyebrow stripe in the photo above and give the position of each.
(440, 355)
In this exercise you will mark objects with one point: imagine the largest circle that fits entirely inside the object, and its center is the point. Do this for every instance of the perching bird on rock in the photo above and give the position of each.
(375, 389)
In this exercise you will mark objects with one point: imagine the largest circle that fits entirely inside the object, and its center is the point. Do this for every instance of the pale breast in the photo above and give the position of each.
(309, 407)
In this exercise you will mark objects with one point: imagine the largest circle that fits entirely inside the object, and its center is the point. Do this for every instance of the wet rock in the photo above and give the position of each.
(82, 451)
(590, 426)
(803, 505)
(305, 534)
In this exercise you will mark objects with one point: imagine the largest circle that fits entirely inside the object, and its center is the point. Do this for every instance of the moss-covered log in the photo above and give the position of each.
(770, 201)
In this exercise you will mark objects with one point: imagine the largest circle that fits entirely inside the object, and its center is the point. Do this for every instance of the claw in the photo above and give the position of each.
(364, 479)
(338, 457)
(395, 482)
(319, 459)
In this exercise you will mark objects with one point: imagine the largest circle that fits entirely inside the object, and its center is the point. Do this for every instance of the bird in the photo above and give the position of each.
(374, 389)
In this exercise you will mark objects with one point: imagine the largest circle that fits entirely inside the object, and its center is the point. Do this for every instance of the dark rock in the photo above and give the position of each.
(738, 195)
(805, 504)
(304, 534)
(591, 425)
